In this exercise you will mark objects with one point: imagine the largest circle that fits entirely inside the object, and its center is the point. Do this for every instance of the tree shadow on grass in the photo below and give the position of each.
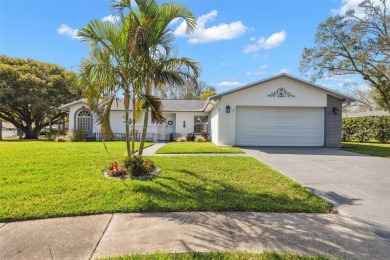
(166, 193)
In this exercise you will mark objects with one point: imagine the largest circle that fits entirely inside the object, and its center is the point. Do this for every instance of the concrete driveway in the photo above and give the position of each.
(358, 185)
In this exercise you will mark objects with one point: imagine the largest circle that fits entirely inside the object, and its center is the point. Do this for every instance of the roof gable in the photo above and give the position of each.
(286, 76)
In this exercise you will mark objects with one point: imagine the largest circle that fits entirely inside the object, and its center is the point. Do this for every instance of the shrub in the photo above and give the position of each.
(200, 139)
(61, 138)
(135, 166)
(52, 135)
(348, 129)
(181, 139)
(116, 170)
(365, 128)
(77, 136)
(205, 135)
(190, 137)
(381, 129)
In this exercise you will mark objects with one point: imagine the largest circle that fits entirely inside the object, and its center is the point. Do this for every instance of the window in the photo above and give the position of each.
(201, 124)
(84, 121)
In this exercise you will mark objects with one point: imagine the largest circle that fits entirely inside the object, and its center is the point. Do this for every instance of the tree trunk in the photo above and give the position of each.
(144, 130)
(145, 126)
(30, 133)
(133, 127)
(127, 103)
(1, 130)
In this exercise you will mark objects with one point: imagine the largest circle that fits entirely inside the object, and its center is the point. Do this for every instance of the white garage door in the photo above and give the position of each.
(269, 126)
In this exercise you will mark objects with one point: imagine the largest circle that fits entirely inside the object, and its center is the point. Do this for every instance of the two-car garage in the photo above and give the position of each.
(278, 111)
(279, 126)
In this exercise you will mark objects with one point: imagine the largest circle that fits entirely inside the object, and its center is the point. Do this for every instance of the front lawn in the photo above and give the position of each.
(47, 179)
(196, 147)
(375, 149)
(218, 256)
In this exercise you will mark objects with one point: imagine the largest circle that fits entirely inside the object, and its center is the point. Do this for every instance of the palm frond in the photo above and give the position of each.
(155, 105)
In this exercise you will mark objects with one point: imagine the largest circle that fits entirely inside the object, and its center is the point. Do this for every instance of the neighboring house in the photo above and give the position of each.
(8, 129)
(278, 111)
(367, 113)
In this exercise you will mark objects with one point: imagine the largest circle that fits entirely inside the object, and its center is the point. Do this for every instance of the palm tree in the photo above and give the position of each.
(108, 71)
(151, 43)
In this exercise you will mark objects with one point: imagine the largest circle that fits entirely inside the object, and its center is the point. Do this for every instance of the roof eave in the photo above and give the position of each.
(345, 98)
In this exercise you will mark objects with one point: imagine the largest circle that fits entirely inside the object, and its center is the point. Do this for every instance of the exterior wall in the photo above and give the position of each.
(214, 122)
(72, 110)
(258, 96)
(333, 123)
(188, 117)
(117, 120)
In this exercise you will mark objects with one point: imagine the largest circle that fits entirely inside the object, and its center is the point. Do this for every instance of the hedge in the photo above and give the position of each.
(366, 128)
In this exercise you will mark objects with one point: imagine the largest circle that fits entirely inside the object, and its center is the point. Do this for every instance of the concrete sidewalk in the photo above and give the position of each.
(117, 234)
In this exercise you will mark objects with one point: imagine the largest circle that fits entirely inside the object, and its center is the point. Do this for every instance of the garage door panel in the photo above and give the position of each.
(265, 126)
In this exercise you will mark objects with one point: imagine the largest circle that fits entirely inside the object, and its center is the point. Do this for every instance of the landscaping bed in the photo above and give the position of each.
(47, 179)
(196, 147)
(375, 149)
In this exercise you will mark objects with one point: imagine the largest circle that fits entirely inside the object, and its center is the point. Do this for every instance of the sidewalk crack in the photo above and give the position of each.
(101, 237)
(230, 231)
(3, 225)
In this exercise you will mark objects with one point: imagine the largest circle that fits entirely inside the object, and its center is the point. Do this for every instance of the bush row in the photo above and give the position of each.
(366, 128)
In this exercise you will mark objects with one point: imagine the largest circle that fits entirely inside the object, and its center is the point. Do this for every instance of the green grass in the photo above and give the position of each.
(375, 149)
(218, 256)
(46, 179)
(196, 147)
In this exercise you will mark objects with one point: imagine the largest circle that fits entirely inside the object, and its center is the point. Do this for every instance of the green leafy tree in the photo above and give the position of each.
(190, 90)
(31, 92)
(209, 91)
(151, 44)
(354, 45)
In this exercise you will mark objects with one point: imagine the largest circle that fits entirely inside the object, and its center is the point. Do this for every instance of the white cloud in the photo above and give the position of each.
(223, 64)
(255, 73)
(273, 41)
(261, 71)
(219, 32)
(68, 31)
(284, 70)
(111, 18)
(228, 84)
(347, 5)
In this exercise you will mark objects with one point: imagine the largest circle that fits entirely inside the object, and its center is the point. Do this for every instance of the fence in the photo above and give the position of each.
(150, 137)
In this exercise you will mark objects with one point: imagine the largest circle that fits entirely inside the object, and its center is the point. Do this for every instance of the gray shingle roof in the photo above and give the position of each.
(168, 105)
(183, 105)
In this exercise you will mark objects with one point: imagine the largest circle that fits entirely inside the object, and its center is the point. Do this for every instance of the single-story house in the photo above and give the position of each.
(278, 111)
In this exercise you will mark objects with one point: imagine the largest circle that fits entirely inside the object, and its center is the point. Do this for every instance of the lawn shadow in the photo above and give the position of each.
(300, 233)
(198, 193)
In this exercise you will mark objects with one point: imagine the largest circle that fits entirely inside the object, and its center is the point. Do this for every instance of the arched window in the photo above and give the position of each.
(84, 121)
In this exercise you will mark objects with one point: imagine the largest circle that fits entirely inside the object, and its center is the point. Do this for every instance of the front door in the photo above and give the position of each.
(168, 127)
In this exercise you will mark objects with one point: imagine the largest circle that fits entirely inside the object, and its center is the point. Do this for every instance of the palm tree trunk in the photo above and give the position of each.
(133, 127)
(127, 103)
(146, 119)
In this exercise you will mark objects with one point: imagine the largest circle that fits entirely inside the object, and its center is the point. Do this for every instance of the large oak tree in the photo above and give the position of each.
(31, 92)
(357, 43)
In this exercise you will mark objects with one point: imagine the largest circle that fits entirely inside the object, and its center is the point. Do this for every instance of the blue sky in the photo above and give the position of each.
(236, 42)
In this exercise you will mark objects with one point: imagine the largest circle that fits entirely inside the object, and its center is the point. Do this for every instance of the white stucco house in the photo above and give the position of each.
(278, 111)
